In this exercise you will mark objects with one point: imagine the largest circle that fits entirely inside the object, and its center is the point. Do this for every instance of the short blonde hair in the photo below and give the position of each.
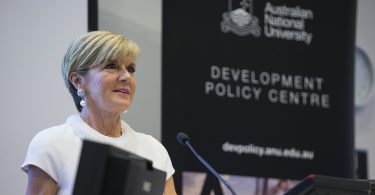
(91, 49)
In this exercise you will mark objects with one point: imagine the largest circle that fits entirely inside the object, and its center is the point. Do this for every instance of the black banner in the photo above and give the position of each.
(264, 89)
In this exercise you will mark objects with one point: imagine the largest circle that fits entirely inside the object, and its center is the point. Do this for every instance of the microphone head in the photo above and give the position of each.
(182, 138)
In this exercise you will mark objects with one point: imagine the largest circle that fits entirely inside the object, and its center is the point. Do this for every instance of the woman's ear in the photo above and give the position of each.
(75, 79)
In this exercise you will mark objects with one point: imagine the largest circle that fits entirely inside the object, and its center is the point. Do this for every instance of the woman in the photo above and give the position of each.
(98, 69)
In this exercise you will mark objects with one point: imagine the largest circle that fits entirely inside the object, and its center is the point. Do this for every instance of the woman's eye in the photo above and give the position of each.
(131, 69)
(110, 66)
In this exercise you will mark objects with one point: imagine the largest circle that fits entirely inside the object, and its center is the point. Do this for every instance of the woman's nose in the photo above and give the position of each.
(124, 76)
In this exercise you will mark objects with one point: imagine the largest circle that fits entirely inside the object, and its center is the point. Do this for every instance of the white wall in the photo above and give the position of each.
(140, 21)
(365, 117)
(33, 36)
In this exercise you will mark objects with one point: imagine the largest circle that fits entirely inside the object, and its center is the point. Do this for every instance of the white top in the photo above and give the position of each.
(56, 150)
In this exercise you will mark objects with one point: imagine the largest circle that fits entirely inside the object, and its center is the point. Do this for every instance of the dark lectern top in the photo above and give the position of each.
(326, 185)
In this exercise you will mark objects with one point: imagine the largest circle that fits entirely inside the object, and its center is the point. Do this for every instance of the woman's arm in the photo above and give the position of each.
(169, 188)
(39, 182)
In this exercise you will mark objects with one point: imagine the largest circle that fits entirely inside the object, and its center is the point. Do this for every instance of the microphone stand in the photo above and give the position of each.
(212, 170)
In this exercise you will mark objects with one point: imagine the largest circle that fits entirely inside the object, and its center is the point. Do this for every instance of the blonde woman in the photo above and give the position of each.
(98, 69)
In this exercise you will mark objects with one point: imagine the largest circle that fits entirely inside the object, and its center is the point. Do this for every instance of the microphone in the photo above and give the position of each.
(183, 139)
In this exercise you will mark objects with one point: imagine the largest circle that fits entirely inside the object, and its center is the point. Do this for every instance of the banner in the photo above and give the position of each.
(264, 89)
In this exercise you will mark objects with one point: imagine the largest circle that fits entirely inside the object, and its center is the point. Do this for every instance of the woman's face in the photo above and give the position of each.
(110, 87)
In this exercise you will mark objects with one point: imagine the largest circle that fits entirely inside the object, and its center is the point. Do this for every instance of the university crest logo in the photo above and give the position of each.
(240, 20)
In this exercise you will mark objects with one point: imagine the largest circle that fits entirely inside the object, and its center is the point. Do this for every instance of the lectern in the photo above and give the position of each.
(107, 170)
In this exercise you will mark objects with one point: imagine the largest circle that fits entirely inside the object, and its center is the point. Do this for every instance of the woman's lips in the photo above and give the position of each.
(124, 91)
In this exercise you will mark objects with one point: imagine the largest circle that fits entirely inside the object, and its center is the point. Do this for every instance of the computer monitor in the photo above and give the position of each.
(104, 170)
(326, 185)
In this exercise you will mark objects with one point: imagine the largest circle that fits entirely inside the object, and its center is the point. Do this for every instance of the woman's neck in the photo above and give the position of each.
(105, 123)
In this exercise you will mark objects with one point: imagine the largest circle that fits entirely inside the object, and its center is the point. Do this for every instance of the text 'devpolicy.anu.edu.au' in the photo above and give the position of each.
(267, 151)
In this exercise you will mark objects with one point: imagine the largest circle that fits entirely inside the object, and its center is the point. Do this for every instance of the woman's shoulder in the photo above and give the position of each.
(58, 141)
(53, 132)
(142, 139)
(151, 145)
(146, 139)
(52, 148)
(55, 135)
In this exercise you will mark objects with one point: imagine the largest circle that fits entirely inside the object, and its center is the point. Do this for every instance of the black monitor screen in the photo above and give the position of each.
(104, 169)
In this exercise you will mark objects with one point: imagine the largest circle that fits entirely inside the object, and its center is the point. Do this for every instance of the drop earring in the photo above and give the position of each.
(81, 94)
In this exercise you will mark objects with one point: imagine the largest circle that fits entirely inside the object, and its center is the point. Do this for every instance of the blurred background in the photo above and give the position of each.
(35, 34)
